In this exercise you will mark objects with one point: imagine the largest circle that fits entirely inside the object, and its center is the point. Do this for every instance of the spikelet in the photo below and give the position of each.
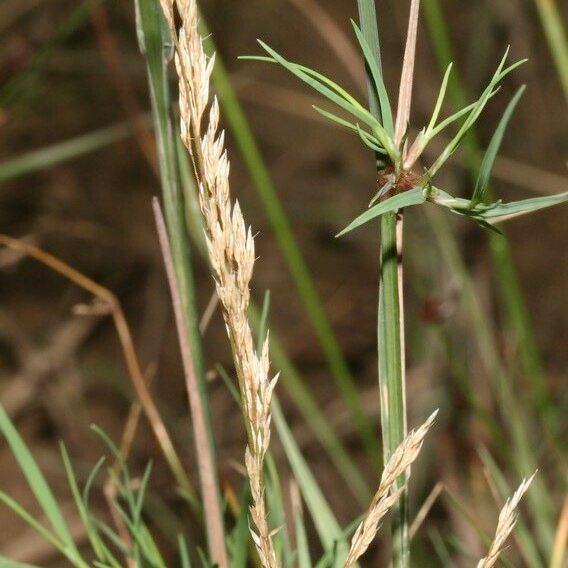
(231, 251)
(387, 494)
(507, 519)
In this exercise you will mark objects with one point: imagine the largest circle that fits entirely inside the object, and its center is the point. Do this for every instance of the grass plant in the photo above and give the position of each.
(200, 214)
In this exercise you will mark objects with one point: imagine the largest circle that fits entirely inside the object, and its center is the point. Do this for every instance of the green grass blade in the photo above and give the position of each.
(91, 480)
(370, 31)
(302, 543)
(98, 545)
(368, 139)
(276, 215)
(37, 483)
(7, 563)
(29, 519)
(183, 552)
(441, 97)
(475, 113)
(493, 149)
(275, 501)
(408, 198)
(451, 119)
(327, 527)
(62, 152)
(375, 70)
(555, 33)
(506, 211)
(241, 534)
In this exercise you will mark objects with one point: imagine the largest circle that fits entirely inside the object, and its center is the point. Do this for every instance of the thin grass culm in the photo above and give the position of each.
(505, 525)
(231, 251)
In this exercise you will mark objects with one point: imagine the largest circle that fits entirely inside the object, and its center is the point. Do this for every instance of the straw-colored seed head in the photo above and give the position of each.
(505, 525)
(387, 494)
(231, 251)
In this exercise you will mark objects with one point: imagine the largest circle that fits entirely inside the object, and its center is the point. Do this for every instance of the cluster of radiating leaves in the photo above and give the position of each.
(378, 135)
(108, 547)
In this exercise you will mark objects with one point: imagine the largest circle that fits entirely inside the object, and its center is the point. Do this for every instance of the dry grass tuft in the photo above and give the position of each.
(231, 251)
(507, 519)
(387, 495)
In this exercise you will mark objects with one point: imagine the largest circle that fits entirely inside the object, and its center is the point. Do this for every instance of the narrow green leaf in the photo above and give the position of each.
(504, 211)
(7, 563)
(241, 535)
(476, 110)
(555, 32)
(493, 149)
(183, 552)
(368, 139)
(37, 482)
(62, 152)
(375, 69)
(441, 97)
(327, 527)
(275, 502)
(91, 480)
(139, 504)
(32, 522)
(98, 545)
(453, 118)
(336, 94)
(414, 196)
(302, 544)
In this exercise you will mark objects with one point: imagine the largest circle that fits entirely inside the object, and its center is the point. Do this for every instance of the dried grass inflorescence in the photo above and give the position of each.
(505, 525)
(387, 494)
(231, 251)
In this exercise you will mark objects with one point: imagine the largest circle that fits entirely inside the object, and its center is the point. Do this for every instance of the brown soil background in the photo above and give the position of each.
(60, 372)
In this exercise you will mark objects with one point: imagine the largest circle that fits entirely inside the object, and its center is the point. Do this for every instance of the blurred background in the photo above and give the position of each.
(77, 174)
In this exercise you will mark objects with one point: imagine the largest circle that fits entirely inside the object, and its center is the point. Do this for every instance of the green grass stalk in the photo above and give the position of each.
(390, 330)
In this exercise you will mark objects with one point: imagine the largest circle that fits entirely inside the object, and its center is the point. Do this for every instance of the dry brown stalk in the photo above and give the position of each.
(407, 77)
(560, 539)
(507, 519)
(387, 493)
(213, 515)
(231, 251)
(105, 296)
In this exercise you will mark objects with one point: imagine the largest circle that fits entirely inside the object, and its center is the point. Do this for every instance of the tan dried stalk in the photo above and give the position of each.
(387, 494)
(231, 251)
(507, 519)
